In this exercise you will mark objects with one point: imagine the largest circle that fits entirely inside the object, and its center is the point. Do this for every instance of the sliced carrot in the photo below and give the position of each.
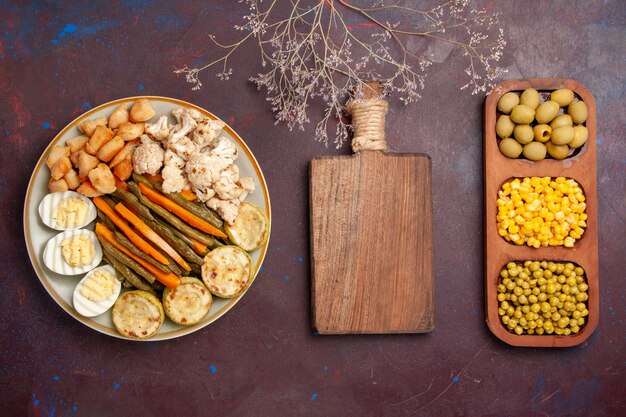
(188, 195)
(150, 234)
(181, 212)
(198, 247)
(134, 237)
(168, 279)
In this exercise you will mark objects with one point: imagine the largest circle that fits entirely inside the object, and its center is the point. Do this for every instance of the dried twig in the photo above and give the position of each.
(309, 52)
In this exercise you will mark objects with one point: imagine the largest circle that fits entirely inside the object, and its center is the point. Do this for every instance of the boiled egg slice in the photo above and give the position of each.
(85, 245)
(66, 210)
(97, 291)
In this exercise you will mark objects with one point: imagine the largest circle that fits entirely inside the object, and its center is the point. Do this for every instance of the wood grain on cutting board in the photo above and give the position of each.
(372, 243)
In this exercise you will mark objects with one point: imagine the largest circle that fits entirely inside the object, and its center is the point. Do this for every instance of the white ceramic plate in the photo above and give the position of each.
(61, 288)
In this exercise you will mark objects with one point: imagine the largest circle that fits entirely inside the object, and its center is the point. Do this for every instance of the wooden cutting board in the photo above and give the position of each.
(372, 243)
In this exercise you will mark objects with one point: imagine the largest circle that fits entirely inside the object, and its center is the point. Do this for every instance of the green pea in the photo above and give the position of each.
(504, 126)
(580, 136)
(531, 98)
(510, 148)
(562, 135)
(534, 151)
(507, 102)
(561, 120)
(547, 111)
(578, 111)
(563, 96)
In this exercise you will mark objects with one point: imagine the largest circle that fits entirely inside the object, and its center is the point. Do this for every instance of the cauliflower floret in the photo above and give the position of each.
(159, 130)
(183, 146)
(174, 179)
(225, 149)
(203, 170)
(148, 157)
(207, 131)
(227, 209)
(185, 125)
(247, 184)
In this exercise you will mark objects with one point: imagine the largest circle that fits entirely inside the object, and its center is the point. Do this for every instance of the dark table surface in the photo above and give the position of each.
(58, 59)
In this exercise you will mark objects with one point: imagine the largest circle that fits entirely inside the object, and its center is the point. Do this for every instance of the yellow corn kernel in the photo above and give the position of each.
(568, 242)
(560, 180)
(513, 229)
(502, 232)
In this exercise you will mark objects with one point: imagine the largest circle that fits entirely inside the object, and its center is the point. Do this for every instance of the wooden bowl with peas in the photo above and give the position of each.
(541, 228)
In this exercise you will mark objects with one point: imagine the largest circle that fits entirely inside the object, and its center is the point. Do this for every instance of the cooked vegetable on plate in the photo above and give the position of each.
(171, 222)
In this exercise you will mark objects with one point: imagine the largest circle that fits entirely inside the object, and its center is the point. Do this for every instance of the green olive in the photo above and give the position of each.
(542, 133)
(562, 135)
(523, 134)
(580, 136)
(547, 111)
(578, 111)
(561, 120)
(557, 151)
(563, 96)
(504, 126)
(531, 98)
(522, 114)
(534, 151)
(507, 102)
(510, 148)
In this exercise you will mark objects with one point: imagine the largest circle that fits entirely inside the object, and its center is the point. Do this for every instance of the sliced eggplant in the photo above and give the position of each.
(138, 314)
(250, 229)
(188, 303)
(227, 271)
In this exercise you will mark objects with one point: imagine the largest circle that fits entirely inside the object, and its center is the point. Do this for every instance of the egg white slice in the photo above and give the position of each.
(53, 256)
(89, 308)
(52, 200)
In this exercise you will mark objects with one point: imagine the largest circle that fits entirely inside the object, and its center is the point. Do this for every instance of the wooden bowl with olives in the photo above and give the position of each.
(541, 212)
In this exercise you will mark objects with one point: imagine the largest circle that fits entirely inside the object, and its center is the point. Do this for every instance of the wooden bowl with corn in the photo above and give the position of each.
(539, 215)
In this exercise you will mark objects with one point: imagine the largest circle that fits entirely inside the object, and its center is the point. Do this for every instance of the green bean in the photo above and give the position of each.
(118, 274)
(105, 219)
(196, 269)
(113, 252)
(188, 242)
(131, 279)
(198, 209)
(171, 219)
(173, 266)
(133, 201)
(134, 249)
(174, 240)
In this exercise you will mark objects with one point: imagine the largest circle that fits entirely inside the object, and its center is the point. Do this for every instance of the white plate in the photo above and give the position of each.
(37, 234)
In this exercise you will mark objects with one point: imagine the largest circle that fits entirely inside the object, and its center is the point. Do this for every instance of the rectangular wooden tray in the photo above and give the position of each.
(498, 252)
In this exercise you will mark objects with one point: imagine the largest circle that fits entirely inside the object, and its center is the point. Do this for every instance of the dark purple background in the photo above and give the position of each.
(58, 59)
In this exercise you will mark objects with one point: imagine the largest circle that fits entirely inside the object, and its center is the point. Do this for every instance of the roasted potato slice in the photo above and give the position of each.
(130, 131)
(141, 111)
(72, 179)
(124, 169)
(125, 153)
(86, 163)
(57, 185)
(77, 143)
(102, 178)
(89, 126)
(100, 136)
(88, 190)
(110, 149)
(75, 155)
(57, 153)
(61, 168)
(120, 115)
